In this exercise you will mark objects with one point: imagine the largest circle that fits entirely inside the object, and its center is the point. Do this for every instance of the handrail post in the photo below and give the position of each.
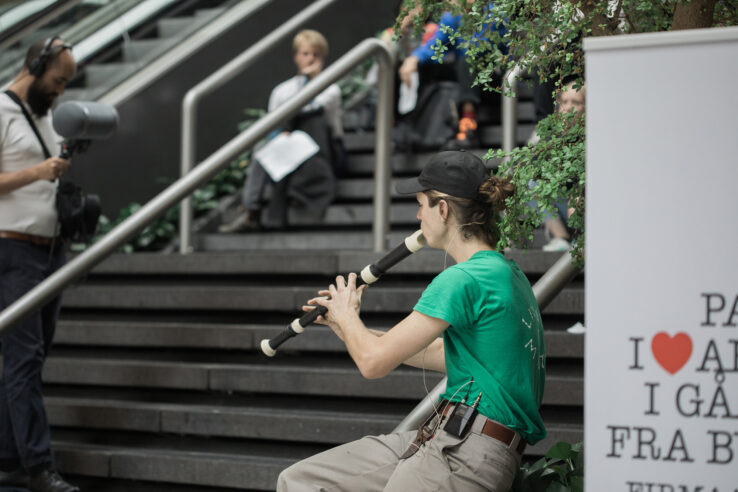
(383, 152)
(213, 82)
(187, 162)
(510, 110)
(545, 290)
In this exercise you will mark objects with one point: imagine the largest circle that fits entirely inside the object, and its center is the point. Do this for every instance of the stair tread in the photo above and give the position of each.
(491, 136)
(339, 378)
(238, 297)
(329, 262)
(242, 336)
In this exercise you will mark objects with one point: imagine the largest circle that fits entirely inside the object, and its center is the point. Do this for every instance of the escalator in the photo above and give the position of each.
(112, 39)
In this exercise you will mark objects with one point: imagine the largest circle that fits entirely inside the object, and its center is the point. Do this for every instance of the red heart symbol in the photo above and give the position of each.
(671, 352)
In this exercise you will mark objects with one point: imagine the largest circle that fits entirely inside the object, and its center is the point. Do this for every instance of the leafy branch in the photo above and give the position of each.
(561, 470)
(544, 37)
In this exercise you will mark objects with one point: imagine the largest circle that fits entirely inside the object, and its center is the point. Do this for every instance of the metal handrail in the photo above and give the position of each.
(187, 184)
(216, 80)
(546, 289)
(510, 110)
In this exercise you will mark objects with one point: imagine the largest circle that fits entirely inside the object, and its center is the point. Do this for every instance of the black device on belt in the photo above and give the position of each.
(462, 417)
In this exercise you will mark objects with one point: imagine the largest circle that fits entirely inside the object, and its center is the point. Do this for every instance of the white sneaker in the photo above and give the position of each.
(557, 244)
(577, 328)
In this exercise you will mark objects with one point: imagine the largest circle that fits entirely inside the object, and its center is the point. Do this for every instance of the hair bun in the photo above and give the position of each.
(495, 190)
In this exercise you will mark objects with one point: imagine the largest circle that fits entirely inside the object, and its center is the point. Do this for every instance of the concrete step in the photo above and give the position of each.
(251, 467)
(254, 465)
(296, 240)
(355, 189)
(302, 239)
(403, 164)
(109, 484)
(190, 465)
(353, 120)
(216, 336)
(295, 262)
(329, 426)
(491, 137)
(239, 296)
(254, 374)
(400, 214)
(244, 422)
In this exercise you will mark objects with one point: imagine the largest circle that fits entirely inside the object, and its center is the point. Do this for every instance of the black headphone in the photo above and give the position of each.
(37, 66)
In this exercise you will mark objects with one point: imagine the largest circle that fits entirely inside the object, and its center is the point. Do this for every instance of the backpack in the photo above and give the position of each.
(434, 120)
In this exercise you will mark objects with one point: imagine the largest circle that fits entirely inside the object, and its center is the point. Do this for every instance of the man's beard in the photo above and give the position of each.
(39, 101)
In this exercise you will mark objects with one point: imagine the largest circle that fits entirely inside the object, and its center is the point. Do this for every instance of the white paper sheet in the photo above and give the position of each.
(285, 152)
(408, 95)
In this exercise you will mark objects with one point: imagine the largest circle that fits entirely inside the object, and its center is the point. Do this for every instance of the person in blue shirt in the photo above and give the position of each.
(470, 97)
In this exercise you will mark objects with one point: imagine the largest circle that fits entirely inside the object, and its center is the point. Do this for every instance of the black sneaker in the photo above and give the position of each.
(246, 222)
(50, 481)
(17, 478)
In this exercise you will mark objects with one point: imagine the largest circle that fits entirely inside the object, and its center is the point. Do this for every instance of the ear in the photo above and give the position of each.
(443, 209)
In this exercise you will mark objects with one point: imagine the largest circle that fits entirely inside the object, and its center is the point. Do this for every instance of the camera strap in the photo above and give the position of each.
(12, 95)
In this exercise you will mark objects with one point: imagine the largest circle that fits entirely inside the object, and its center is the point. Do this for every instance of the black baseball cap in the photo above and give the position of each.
(455, 172)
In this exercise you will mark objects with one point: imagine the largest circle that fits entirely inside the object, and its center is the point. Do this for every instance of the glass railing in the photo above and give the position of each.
(24, 22)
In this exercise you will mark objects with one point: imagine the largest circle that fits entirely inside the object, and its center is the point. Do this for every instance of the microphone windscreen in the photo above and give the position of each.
(85, 120)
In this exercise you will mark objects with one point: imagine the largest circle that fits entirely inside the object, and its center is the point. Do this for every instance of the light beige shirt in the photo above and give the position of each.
(329, 100)
(29, 209)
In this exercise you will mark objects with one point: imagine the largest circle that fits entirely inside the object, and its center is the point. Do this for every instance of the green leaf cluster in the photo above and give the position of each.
(551, 171)
(561, 470)
(544, 38)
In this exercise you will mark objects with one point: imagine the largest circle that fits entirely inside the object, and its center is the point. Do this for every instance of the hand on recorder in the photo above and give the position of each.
(343, 303)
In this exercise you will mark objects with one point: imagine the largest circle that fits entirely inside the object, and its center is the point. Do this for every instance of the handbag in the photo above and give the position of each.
(78, 213)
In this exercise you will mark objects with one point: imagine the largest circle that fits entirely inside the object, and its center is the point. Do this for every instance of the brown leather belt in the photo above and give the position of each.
(492, 429)
(29, 238)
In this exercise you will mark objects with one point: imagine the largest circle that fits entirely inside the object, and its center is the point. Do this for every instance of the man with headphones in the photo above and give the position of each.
(30, 251)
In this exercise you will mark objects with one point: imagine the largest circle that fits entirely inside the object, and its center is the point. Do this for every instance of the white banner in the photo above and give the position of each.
(661, 389)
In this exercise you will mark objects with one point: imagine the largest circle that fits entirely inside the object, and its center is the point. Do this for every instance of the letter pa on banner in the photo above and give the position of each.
(661, 361)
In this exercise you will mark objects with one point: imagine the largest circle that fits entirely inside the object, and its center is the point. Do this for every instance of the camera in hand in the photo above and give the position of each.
(80, 122)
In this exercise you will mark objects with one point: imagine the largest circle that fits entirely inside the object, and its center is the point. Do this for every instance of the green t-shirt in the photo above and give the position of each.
(495, 338)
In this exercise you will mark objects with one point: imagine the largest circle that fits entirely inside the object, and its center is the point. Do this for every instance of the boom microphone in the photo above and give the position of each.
(85, 120)
(368, 275)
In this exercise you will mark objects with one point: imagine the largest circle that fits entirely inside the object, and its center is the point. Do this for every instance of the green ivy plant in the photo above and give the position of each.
(544, 37)
(561, 470)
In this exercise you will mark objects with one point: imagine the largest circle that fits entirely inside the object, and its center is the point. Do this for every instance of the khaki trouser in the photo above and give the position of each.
(475, 462)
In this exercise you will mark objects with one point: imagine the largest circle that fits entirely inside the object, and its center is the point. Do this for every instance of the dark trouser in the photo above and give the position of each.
(24, 429)
(312, 184)
(465, 77)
